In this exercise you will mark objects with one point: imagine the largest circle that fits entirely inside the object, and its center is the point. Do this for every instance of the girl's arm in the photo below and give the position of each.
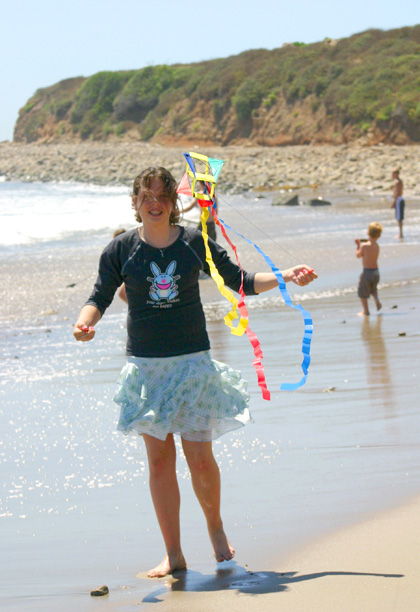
(84, 329)
(300, 275)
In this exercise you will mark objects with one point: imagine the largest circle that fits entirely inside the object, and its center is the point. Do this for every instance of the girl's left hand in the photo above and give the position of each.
(301, 275)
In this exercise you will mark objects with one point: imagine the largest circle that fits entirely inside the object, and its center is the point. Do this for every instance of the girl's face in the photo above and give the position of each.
(154, 206)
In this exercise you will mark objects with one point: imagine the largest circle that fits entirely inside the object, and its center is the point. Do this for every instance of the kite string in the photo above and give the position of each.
(257, 227)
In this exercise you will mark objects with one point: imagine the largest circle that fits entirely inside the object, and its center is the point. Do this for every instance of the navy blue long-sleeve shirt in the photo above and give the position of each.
(165, 314)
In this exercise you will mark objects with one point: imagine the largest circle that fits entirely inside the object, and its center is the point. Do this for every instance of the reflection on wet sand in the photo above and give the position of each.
(377, 368)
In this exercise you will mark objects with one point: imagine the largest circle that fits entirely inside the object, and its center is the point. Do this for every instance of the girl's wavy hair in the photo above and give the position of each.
(142, 183)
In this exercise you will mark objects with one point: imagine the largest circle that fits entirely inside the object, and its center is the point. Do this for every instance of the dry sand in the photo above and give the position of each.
(373, 566)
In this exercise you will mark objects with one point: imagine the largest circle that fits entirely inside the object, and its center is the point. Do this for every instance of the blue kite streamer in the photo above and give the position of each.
(307, 336)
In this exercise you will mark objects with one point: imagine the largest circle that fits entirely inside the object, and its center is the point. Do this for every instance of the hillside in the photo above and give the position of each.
(365, 87)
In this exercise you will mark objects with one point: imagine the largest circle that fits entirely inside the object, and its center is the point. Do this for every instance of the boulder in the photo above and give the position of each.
(318, 202)
(285, 201)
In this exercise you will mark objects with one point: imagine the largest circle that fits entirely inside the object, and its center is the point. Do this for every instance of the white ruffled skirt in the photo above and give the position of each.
(191, 395)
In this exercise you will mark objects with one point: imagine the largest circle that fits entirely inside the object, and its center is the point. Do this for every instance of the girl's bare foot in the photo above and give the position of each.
(378, 305)
(363, 314)
(168, 566)
(222, 548)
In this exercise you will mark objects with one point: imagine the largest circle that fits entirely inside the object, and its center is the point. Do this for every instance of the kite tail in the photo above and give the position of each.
(233, 314)
(252, 337)
(209, 176)
(307, 336)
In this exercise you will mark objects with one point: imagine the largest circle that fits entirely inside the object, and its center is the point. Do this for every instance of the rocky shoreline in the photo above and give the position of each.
(351, 167)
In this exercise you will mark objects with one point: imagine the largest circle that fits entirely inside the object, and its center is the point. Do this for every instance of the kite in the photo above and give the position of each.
(206, 170)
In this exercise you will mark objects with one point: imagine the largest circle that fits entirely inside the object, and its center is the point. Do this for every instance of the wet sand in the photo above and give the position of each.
(341, 450)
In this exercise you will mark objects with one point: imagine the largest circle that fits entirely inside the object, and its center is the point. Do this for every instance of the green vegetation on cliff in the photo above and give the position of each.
(331, 91)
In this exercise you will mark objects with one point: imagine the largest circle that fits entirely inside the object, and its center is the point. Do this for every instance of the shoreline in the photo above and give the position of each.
(352, 167)
(368, 566)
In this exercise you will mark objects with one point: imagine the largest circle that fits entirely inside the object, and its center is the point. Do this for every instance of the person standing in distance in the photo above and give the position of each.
(398, 200)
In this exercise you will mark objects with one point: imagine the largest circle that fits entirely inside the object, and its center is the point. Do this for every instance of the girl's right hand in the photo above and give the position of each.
(83, 333)
(300, 275)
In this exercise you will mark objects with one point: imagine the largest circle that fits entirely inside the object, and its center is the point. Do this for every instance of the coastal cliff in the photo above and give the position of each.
(365, 87)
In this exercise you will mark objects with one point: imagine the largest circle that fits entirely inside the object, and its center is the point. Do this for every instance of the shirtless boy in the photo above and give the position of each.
(368, 250)
(398, 201)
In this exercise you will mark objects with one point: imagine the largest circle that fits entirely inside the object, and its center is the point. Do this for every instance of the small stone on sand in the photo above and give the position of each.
(99, 592)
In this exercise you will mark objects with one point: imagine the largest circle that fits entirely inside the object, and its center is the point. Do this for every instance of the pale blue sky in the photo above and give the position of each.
(44, 42)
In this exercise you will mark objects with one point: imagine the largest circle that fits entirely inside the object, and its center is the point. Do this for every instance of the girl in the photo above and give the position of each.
(170, 384)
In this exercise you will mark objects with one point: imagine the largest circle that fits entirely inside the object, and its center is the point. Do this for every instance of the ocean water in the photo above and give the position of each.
(75, 510)
(34, 213)
(40, 217)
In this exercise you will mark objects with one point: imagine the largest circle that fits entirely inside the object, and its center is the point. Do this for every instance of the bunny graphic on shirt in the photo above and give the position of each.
(163, 284)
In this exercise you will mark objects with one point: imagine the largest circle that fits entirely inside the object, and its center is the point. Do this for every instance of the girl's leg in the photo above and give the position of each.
(166, 500)
(205, 477)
